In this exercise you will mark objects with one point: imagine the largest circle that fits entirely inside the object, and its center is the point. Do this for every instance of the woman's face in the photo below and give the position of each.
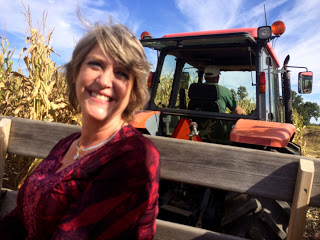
(103, 88)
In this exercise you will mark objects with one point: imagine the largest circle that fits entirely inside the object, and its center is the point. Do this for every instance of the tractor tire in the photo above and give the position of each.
(255, 218)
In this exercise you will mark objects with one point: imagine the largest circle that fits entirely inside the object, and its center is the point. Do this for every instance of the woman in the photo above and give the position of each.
(101, 183)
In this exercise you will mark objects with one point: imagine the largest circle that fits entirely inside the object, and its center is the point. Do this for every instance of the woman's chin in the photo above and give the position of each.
(96, 114)
(99, 115)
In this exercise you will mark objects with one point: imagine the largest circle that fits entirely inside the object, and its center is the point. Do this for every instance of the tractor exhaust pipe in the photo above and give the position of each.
(286, 92)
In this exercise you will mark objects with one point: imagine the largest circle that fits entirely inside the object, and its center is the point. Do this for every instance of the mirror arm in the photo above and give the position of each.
(282, 70)
(298, 67)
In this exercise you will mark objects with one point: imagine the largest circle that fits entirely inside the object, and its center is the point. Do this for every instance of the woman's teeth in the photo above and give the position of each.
(101, 97)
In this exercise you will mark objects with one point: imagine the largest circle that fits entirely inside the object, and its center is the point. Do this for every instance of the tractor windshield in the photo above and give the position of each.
(178, 75)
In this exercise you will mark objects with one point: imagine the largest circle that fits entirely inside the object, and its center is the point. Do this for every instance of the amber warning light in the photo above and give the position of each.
(278, 28)
(145, 35)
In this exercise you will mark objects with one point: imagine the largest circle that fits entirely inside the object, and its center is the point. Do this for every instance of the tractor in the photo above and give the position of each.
(183, 106)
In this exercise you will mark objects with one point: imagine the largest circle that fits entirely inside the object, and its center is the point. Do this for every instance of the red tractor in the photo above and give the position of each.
(183, 106)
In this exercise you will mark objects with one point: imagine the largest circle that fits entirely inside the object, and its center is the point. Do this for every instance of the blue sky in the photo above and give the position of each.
(301, 39)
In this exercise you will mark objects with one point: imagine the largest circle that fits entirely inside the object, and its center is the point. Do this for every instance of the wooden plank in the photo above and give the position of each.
(36, 138)
(5, 125)
(8, 201)
(255, 172)
(173, 231)
(301, 200)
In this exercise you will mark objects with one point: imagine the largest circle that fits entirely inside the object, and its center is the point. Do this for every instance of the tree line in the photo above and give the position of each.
(306, 109)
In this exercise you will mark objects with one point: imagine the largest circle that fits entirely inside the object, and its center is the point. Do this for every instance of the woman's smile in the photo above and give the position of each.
(101, 97)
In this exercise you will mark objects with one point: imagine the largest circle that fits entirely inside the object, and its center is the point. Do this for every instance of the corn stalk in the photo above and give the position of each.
(5, 62)
(300, 129)
(43, 74)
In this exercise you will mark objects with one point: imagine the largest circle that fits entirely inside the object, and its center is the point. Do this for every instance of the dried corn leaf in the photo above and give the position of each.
(17, 74)
(58, 106)
(7, 97)
(47, 102)
(17, 110)
(32, 48)
(35, 92)
(51, 86)
(22, 51)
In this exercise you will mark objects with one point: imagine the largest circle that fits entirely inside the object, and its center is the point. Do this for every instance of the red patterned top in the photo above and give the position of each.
(111, 193)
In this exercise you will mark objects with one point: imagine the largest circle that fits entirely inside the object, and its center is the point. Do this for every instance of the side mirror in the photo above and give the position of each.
(305, 82)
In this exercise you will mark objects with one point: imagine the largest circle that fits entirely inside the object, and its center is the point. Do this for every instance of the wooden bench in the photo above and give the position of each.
(290, 178)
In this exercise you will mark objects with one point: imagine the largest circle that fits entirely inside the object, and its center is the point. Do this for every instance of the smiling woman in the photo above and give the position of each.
(100, 183)
(103, 88)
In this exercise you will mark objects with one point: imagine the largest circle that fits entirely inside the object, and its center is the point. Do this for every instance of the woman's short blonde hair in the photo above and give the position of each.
(119, 43)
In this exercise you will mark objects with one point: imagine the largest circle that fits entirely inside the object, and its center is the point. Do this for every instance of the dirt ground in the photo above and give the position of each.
(312, 231)
(15, 167)
(311, 137)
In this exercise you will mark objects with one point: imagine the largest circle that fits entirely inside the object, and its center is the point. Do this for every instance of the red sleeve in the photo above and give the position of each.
(121, 202)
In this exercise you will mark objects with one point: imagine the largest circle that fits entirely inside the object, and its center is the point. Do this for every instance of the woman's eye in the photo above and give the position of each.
(122, 75)
(95, 64)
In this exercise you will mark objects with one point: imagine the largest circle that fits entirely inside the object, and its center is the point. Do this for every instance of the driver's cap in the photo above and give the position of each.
(212, 70)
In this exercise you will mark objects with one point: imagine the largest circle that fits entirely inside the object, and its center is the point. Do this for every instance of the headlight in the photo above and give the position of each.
(264, 32)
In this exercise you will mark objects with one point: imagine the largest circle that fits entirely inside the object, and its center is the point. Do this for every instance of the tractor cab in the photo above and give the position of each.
(179, 89)
(249, 76)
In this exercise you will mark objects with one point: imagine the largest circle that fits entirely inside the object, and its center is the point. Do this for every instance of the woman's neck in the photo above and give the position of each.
(94, 132)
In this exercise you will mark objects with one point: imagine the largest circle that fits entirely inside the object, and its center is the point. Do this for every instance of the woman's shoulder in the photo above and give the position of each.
(135, 144)
(141, 149)
(132, 135)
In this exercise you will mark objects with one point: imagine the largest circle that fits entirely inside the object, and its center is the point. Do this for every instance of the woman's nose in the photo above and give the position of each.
(105, 78)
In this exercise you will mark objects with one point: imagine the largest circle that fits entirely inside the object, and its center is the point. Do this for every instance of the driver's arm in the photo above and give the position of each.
(239, 110)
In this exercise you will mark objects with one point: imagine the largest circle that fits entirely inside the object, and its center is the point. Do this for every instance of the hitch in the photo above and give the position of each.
(194, 130)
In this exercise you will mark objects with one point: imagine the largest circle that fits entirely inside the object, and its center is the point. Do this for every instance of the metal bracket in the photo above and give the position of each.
(282, 71)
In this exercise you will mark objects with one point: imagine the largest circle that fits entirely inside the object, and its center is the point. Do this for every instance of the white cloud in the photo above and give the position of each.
(206, 14)
(255, 16)
(217, 14)
(61, 17)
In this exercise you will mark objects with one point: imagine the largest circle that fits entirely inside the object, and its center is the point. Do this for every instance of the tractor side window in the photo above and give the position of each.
(240, 83)
(275, 94)
(265, 106)
(272, 88)
(165, 82)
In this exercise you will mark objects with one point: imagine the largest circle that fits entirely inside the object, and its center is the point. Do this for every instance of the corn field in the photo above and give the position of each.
(38, 94)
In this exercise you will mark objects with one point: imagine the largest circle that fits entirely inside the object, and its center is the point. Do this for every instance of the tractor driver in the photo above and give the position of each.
(226, 98)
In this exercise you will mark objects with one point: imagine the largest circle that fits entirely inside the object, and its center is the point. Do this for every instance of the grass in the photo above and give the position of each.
(311, 135)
